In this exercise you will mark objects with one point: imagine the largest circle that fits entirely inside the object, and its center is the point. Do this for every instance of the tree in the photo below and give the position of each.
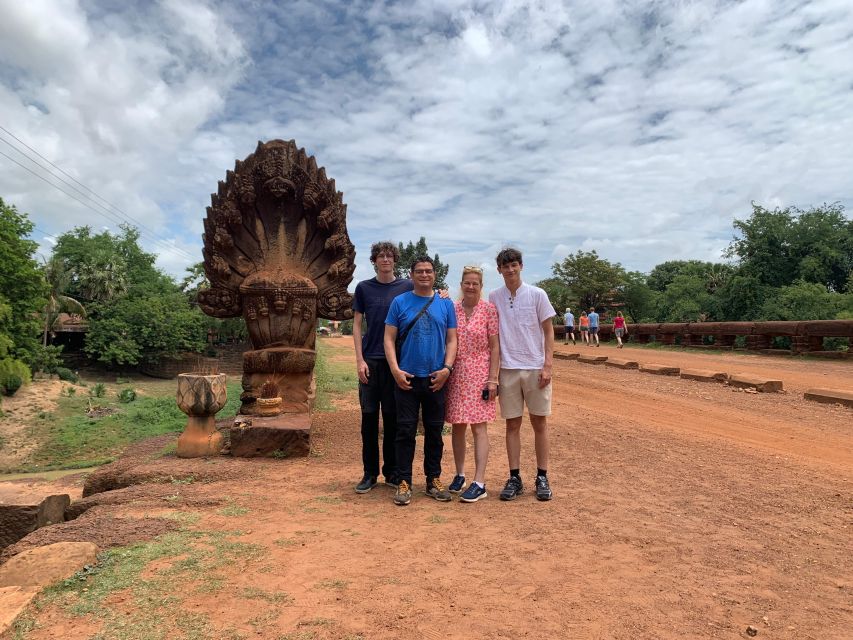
(714, 274)
(639, 299)
(781, 246)
(411, 251)
(559, 295)
(22, 286)
(804, 301)
(687, 299)
(58, 278)
(591, 280)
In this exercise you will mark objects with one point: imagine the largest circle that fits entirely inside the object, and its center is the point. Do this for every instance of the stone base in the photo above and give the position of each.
(660, 369)
(592, 359)
(287, 435)
(746, 381)
(702, 375)
(562, 355)
(830, 396)
(622, 364)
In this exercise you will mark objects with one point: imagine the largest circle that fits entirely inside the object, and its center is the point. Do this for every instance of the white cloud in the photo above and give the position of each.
(636, 129)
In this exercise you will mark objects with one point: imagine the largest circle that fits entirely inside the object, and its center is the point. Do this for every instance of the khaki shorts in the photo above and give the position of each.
(520, 387)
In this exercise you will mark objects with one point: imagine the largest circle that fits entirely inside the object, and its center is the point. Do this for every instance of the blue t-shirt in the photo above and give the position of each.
(424, 349)
(373, 299)
(593, 319)
(570, 320)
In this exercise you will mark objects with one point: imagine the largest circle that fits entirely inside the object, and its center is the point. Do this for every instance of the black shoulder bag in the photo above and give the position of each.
(401, 337)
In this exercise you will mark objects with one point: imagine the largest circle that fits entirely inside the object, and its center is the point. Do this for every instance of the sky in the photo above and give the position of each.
(639, 129)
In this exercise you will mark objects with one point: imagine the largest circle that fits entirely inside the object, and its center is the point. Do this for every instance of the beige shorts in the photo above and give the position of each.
(520, 387)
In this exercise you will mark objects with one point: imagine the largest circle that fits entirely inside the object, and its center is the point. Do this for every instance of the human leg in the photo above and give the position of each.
(481, 451)
(541, 440)
(458, 440)
(407, 423)
(369, 396)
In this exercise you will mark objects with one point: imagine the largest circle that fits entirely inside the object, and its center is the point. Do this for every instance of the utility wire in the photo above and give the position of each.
(120, 217)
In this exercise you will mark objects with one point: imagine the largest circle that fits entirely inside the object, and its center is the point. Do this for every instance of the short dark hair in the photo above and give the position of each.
(384, 247)
(509, 255)
(421, 259)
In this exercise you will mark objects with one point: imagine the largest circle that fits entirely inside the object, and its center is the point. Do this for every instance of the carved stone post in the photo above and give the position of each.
(200, 397)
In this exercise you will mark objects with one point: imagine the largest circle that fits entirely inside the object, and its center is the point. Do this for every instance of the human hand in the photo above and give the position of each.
(404, 379)
(443, 294)
(493, 391)
(363, 371)
(438, 379)
(545, 376)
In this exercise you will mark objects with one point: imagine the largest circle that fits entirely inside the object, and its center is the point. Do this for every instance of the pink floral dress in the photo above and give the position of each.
(464, 399)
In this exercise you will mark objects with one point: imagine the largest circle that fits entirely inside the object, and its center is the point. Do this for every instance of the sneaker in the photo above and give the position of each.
(366, 484)
(403, 495)
(473, 493)
(543, 489)
(512, 489)
(434, 489)
(457, 485)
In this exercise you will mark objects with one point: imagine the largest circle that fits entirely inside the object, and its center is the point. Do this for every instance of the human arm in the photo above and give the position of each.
(389, 341)
(360, 365)
(439, 378)
(547, 368)
(494, 365)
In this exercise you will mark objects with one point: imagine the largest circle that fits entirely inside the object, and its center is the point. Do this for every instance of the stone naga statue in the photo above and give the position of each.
(276, 250)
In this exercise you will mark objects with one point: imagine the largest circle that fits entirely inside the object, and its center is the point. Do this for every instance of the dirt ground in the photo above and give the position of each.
(681, 510)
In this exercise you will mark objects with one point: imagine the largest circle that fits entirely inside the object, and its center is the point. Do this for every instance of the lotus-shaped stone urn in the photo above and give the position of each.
(200, 397)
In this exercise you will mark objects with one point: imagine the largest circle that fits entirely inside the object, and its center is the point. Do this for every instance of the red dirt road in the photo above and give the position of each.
(682, 510)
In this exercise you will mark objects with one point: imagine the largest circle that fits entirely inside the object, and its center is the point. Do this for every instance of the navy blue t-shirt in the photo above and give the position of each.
(425, 346)
(373, 299)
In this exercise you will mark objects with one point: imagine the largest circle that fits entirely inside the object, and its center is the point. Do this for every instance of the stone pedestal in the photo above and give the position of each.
(287, 435)
(200, 397)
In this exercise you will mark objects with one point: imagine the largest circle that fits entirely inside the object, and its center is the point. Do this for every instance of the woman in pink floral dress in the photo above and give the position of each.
(473, 385)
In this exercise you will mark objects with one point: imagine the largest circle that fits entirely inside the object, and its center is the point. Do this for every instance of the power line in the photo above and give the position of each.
(120, 217)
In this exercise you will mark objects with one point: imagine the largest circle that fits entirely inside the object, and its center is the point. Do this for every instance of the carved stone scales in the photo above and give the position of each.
(276, 250)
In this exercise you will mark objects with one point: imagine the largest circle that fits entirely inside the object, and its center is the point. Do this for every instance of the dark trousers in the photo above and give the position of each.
(378, 396)
(431, 407)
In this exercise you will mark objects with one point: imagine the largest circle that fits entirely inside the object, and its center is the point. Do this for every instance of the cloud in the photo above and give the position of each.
(636, 129)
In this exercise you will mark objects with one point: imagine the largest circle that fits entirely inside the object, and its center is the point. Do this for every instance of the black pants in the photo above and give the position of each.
(431, 406)
(375, 396)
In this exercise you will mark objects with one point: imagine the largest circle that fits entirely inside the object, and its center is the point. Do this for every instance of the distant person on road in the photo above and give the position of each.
(420, 346)
(619, 328)
(527, 352)
(593, 327)
(584, 327)
(569, 321)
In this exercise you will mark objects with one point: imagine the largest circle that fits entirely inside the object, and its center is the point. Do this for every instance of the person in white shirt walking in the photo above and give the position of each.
(569, 321)
(527, 351)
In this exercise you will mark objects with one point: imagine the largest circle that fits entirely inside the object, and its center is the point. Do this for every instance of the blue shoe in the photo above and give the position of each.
(457, 485)
(473, 493)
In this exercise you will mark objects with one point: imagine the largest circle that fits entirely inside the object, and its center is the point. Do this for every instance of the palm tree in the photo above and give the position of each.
(102, 279)
(58, 278)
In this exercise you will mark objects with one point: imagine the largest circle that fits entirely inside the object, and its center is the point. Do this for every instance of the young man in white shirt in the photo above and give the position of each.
(527, 351)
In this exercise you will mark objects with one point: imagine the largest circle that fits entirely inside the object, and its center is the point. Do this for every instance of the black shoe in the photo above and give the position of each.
(512, 489)
(543, 489)
(366, 484)
(435, 489)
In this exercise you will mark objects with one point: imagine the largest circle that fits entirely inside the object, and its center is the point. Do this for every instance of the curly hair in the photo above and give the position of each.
(384, 247)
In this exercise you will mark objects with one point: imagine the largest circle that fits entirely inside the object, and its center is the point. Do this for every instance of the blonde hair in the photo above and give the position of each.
(472, 269)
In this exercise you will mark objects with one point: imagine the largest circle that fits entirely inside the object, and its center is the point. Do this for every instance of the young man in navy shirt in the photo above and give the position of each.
(376, 384)
(426, 326)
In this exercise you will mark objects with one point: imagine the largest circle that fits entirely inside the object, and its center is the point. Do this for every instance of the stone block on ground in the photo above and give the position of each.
(830, 396)
(286, 435)
(622, 364)
(704, 375)
(660, 369)
(592, 359)
(17, 520)
(747, 381)
(13, 601)
(45, 565)
(562, 355)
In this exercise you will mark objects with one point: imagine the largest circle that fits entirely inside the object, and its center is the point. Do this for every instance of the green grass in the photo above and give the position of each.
(156, 597)
(334, 377)
(72, 440)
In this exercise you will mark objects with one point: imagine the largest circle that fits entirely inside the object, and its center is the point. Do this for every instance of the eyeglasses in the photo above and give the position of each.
(471, 269)
(385, 256)
(423, 272)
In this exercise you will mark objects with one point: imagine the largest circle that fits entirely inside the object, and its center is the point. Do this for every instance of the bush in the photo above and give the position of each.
(127, 395)
(46, 359)
(98, 391)
(67, 375)
(11, 384)
(11, 366)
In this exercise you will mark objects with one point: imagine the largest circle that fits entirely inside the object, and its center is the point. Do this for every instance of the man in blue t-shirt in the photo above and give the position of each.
(593, 326)
(421, 364)
(376, 384)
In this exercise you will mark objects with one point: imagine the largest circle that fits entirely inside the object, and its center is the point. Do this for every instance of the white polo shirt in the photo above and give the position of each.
(520, 320)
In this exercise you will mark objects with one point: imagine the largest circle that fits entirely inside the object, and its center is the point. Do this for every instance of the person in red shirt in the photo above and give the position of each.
(619, 328)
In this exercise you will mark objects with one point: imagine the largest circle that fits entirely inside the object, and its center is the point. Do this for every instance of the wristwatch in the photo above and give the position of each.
(448, 367)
